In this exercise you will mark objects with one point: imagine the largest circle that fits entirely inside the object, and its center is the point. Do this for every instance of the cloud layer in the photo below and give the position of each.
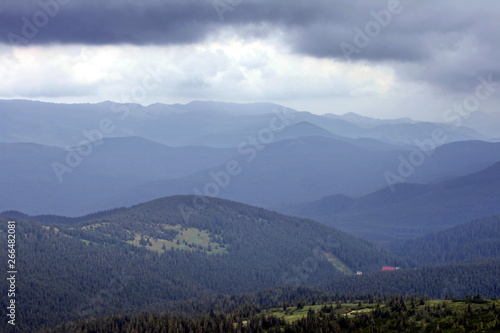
(439, 45)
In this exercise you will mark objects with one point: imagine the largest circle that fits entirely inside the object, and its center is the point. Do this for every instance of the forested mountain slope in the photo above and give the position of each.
(173, 249)
(411, 209)
(479, 239)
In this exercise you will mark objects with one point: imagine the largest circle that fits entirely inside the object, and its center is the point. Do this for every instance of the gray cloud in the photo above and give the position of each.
(162, 22)
(447, 42)
(107, 22)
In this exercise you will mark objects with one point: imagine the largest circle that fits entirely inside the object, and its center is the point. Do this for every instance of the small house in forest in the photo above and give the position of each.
(388, 268)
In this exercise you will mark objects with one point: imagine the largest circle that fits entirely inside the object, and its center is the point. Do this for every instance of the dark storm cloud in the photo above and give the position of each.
(139, 22)
(106, 22)
(313, 27)
(412, 31)
(446, 42)
(164, 22)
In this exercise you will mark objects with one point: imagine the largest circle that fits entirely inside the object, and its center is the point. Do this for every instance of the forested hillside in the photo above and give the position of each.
(454, 280)
(392, 315)
(478, 239)
(141, 258)
(409, 210)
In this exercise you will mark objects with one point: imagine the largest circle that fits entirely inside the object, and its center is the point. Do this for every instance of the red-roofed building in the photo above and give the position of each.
(388, 268)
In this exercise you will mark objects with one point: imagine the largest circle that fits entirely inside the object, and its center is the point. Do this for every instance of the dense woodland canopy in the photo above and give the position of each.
(471, 241)
(140, 258)
(392, 315)
(224, 257)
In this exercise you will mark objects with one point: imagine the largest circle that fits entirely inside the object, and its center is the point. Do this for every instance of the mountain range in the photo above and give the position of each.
(409, 209)
(216, 124)
(146, 256)
(126, 171)
(122, 208)
(76, 159)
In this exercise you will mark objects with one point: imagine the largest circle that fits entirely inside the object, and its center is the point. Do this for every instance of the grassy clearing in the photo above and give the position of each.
(292, 313)
(94, 226)
(337, 263)
(54, 229)
(46, 227)
(467, 315)
(188, 239)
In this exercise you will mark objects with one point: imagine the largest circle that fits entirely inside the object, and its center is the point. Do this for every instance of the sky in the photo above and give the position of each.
(384, 59)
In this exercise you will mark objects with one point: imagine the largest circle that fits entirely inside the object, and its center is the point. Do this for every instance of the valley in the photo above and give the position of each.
(291, 224)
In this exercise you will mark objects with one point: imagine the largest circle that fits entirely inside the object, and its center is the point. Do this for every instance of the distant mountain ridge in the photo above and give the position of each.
(63, 125)
(72, 159)
(125, 171)
(62, 181)
(313, 168)
(412, 209)
(367, 122)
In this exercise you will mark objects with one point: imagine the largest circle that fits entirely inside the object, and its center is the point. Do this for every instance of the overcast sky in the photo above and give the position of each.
(378, 58)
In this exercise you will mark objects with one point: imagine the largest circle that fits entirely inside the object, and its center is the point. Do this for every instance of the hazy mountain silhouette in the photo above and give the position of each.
(412, 209)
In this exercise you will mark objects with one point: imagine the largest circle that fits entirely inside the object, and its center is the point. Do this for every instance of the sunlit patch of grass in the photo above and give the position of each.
(188, 239)
(94, 226)
(336, 262)
(46, 227)
(292, 313)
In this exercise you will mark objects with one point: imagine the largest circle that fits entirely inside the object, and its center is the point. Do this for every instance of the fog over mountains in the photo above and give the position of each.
(357, 194)
(411, 209)
(200, 123)
(74, 159)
